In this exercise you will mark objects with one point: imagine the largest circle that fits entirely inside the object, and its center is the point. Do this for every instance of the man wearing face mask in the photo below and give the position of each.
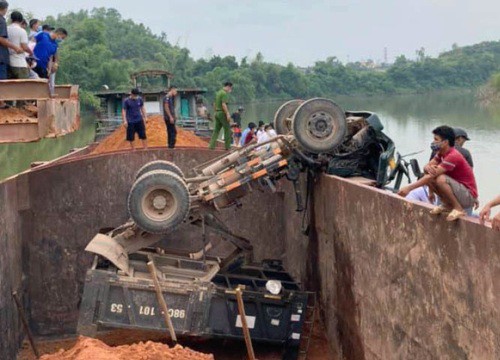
(422, 194)
(461, 137)
(45, 49)
(449, 176)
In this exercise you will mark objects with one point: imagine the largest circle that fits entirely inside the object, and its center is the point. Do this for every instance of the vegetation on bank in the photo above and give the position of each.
(103, 49)
(489, 94)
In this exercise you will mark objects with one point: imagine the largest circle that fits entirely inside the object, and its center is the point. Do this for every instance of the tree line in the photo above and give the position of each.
(104, 48)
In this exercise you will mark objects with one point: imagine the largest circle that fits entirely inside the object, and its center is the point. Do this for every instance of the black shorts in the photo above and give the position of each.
(138, 128)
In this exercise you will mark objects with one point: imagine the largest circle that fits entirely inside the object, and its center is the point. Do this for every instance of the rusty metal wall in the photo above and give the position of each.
(397, 283)
(10, 270)
(24, 90)
(56, 116)
(71, 201)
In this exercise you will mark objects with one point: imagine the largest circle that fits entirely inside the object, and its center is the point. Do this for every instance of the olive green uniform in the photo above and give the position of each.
(221, 120)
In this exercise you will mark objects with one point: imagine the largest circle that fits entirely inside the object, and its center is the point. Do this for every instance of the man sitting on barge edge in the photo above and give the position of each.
(449, 176)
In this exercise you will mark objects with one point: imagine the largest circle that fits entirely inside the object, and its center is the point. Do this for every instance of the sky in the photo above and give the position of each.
(303, 31)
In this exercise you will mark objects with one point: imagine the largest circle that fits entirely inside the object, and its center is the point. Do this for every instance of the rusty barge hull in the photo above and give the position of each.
(55, 116)
(393, 281)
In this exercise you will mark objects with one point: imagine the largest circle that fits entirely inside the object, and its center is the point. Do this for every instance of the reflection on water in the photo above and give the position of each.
(15, 158)
(408, 120)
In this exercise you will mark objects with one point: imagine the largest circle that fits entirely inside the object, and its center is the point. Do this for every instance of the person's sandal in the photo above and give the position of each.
(439, 210)
(455, 215)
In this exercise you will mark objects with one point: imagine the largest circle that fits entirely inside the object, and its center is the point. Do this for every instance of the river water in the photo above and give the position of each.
(408, 120)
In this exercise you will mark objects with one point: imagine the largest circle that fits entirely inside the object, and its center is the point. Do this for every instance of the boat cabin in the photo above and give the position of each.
(154, 85)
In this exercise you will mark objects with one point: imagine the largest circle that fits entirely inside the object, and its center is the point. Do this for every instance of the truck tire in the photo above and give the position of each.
(319, 125)
(159, 165)
(286, 111)
(159, 202)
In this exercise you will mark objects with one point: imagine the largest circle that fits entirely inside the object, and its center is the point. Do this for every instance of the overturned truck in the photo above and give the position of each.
(199, 288)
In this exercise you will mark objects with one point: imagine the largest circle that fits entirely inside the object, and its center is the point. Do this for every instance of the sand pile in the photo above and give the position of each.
(93, 349)
(18, 115)
(157, 136)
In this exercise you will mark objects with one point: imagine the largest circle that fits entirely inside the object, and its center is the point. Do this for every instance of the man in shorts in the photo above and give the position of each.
(134, 118)
(449, 176)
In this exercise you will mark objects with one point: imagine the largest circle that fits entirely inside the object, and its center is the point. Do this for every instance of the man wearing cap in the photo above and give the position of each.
(18, 67)
(460, 138)
(134, 118)
(47, 28)
(46, 47)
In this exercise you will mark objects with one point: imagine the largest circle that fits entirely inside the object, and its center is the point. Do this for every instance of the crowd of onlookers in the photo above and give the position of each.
(28, 49)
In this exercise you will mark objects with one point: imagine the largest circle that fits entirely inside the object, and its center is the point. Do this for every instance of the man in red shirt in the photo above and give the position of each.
(449, 176)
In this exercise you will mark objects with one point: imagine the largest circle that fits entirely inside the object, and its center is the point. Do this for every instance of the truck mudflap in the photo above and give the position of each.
(197, 307)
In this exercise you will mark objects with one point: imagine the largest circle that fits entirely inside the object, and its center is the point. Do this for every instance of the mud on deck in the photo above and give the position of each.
(221, 349)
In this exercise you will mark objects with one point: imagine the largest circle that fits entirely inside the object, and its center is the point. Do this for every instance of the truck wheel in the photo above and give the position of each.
(159, 165)
(282, 125)
(159, 201)
(319, 125)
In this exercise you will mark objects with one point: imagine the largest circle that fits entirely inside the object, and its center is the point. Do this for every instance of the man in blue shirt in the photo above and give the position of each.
(46, 48)
(169, 116)
(134, 118)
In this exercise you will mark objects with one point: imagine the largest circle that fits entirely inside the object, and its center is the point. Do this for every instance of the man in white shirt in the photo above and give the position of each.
(18, 67)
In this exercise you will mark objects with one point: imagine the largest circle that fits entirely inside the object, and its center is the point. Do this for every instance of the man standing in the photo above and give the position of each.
(5, 45)
(169, 116)
(134, 118)
(18, 67)
(449, 176)
(46, 47)
(222, 116)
